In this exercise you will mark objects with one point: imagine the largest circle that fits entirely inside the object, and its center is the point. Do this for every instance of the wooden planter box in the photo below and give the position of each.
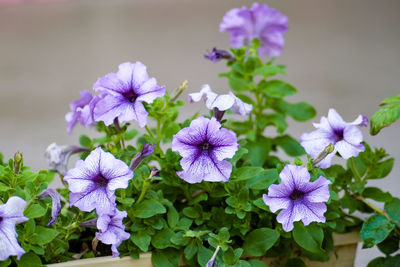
(345, 244)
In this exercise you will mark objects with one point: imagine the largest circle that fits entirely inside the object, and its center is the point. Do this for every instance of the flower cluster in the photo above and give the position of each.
(92, 184)
(120, 98)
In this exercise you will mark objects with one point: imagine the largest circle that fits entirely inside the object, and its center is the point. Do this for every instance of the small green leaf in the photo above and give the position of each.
(31, 260)
(35, 211)
(239, 84)
(43, 235)
(384, 117)
(129, 135)
(258, 151)
(85, 141)
(259, 241)
(191, 212)
(270, 70)
(375, 229)
(148, 208)
(276, 89)
(172, 216)
(389, 245)
(308, 237)
(301, 111)
(376, 194)
(381, 169)
(162, 239)
(295, 262)
(245, 173)
(141, 239)
(290, 145)
(276, 119)
(204, 255)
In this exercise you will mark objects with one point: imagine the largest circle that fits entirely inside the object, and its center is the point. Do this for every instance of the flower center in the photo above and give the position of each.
(338, 134)
(131, 96)
(205, 146)
(296, 194)
(101, 181)
(1, 219)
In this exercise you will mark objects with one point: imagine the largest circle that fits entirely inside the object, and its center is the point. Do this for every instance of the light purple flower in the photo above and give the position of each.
(11, 213)
(93, 181)
(112, 230)
(221, 102)
(81, 110)
(260, 21)
(57, 156)
(217, 55)
(298, 198)
(345, 136)
(55, 206)
(124, 93)
(204, 148)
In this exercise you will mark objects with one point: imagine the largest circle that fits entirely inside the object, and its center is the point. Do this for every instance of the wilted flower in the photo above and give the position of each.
(81, 110)
(93, 181)
(204, 148)
(112, 230)
(345, 136)
(57, 156)
(260, 21)
(11, 213)
(147, 150)
(216, 55)
(55, 203)
(124, 93)
(298, 198)
(221, 102)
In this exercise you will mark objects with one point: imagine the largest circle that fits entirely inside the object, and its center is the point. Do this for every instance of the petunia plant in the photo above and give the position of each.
(207, 190)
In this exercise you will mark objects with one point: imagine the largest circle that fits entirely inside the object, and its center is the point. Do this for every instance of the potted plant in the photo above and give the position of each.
(209, 190)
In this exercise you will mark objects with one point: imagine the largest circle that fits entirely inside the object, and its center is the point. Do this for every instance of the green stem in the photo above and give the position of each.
(149, 131)
(353, 168)
(146, 184)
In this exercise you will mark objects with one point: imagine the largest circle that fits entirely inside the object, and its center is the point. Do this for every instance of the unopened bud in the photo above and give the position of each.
(327, 150)
(178, 91)
(147, 150)
(17, 161)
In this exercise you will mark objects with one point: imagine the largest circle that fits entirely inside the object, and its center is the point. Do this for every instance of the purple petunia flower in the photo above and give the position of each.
(124, 93)
(147, 150)
(112, 230)
(221, 102)
(93, 181)
(298, 198)
(55, 203)
(260, 21)
(81, 110)
(203, 147)
(57, 156)
(345, 136)
(11, 213)
(217, 55)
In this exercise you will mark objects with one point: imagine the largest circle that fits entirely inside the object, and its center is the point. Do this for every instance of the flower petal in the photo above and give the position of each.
(196, 97)
(317, 191)
(97, 199)
(149, 91)
(55, 203)
(352, 135)
(347, 150)
(224, 143)
(221, 102)
(294, 177)
(239, 107)
(276, 203)
(286, 218)
(335, 120)
(8, 242)
(311, 212)
(111, 84)
(315, 142)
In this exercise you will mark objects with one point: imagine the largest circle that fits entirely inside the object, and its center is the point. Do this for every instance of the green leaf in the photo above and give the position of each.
(295, 262)
(245, 173)
(148, 208)
(191, 212)
(191, 249)
(31, 260)
(385, 116)
(301, 111)
(263, 179)
(275, 119)
(385, 262)
(376, 194)
(162, 239)
(269, 70)
(308, 237)
(290, 145)
(165, 258)
(172, 216)
(258, 241)
(5, 263)
(231, 256)
(375, 229)
(129, 135)
(204, 255)
(393, 209)
(239, 84)
(35, 211)
(258, 151)
(257, 263)
(43, 235)
(238, 155)
(141, 239)
(276, 89)
(381, 169)
(389, 245)
(390, 100)
(128, 201)
(85, 141)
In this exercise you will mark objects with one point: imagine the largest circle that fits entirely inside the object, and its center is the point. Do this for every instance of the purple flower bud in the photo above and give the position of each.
(213, 262)
(55, 206)
(147, 150)
(91, 223)
(217, 55)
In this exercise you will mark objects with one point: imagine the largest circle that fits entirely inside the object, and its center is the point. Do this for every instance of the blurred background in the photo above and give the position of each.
(341, 54)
